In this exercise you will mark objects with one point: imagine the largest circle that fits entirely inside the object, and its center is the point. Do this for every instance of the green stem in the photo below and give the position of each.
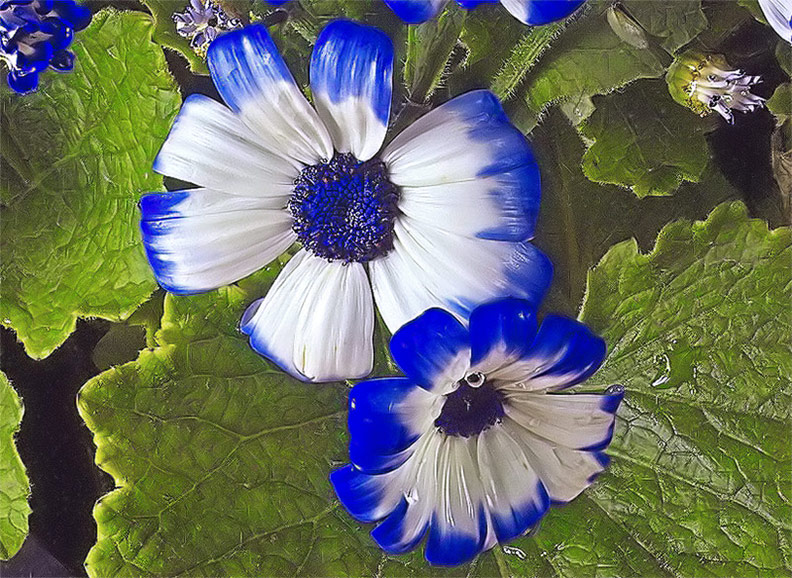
(524, 57)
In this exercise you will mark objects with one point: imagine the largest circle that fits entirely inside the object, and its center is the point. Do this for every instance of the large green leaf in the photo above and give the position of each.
(14, 485)
(78, 155)
(643, 140)
(698, 332)
(580, 220)
(221, 461)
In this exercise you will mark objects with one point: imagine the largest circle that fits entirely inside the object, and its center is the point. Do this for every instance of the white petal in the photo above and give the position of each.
(576, 421)
(501, 207)
(351, 70)
(253, 79)
(415, 482)
(779, 16)
(514, 494)
(430, 267)
(317, 320)
(564, 472)
(460, 526)
(201, 239)
(209, 146)
(468, 137)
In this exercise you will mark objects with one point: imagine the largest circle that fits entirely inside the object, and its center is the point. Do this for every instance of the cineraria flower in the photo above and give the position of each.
(438, 218)
(202, 22)
(705, 83)
(35, 35)
(531, 12)
(473, 445)
(779, 15)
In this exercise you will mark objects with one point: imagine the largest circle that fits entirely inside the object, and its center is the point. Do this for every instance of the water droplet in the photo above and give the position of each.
(411, 496)
(615, 389)
(512, 551)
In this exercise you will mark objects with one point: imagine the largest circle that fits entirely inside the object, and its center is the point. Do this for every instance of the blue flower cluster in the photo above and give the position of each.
(35, 35)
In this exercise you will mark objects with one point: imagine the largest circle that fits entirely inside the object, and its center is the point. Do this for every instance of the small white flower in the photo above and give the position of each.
(202, 22)
(707, 84)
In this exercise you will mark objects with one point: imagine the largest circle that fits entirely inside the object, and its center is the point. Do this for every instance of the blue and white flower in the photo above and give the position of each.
(202, 22)
(531, 12)
(779, 15)
(35, 35)
(439, 217)
(474, 444)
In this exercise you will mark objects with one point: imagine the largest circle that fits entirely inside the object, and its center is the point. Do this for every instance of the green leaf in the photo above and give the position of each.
(700, 484)
(588, 59)
(643, 140)
(82, 149)
(675, 23)
(580, 220)
(780, 104)
(14, 485)
(221, 461)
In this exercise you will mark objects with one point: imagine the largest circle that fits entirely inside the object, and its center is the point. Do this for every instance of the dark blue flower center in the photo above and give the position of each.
(344, 210)
(470, 409)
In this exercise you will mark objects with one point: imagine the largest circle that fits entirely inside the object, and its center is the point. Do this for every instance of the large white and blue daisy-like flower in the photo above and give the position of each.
(439, 217)
(531, 12)
(779, 16)
(474, 444)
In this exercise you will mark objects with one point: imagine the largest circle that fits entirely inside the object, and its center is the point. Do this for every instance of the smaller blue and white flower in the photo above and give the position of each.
(531, 12)
(474, 444)
(35, 35)
(202, 22)
(439, 217)
(779, 15)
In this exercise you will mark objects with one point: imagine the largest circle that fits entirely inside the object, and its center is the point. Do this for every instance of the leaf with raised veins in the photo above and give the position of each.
(14, 484)
(221, 461)
(77, 156)
(642, 139)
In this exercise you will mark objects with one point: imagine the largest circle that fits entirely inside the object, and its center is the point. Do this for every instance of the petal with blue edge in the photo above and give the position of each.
(459, 526)
(316, 321)
(539, 12)
(429, 267)
(210, 146)
(465, 168)
(433, 350)
(254, 81)
(416, 486)
(500, 207)
(201, 239)
(416, 11)
(351, 82)
(501, 333)
(564, 472)
(367, 498)
(577, 421)
(514, 494)
(564, 353)
(386, 417)
(468, 137)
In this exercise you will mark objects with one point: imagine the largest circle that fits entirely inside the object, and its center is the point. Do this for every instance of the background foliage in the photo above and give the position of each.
(220, 461)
